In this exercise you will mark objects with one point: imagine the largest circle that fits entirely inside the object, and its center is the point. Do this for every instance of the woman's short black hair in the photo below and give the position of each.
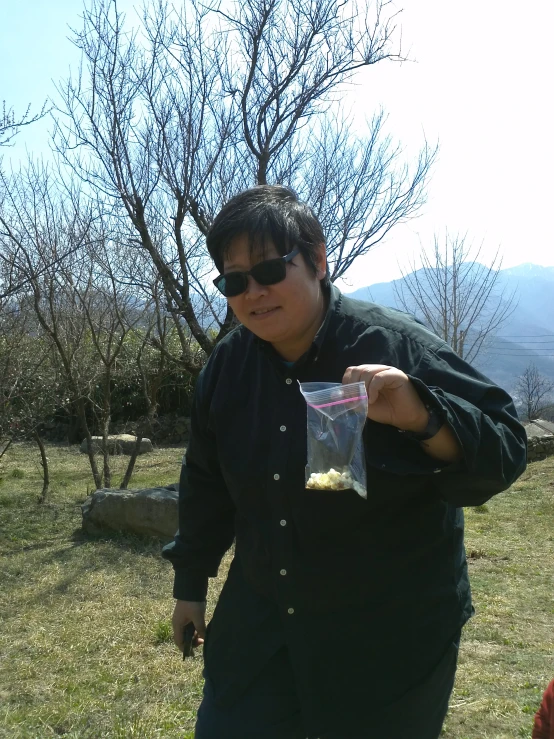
(267, 213)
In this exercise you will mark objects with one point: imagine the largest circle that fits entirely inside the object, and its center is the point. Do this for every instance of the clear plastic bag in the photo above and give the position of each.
(336, 418)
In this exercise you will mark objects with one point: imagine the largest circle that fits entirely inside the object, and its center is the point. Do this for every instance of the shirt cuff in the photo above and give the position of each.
(427, 396)
(190, 586)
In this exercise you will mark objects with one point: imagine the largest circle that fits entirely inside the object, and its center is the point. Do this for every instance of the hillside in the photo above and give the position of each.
(528, 334)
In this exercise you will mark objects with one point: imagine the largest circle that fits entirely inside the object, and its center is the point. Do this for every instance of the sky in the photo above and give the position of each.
(478, 80)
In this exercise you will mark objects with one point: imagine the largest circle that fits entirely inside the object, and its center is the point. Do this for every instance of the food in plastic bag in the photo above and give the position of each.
(336, 418)
(334, 480)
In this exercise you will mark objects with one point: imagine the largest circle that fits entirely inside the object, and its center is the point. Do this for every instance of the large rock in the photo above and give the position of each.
(540, 439)
(539, 428)
(149, 512)
(118, 444)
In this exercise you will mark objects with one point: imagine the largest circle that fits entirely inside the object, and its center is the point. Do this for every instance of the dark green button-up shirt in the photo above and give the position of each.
(394, 562)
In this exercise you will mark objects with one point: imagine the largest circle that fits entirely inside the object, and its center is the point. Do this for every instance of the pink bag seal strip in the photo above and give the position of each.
(337, 402)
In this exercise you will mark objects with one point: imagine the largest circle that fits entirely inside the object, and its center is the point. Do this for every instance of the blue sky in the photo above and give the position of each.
(480, 81)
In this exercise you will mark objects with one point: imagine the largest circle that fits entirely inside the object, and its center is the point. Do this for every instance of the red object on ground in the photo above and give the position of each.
(544, 718)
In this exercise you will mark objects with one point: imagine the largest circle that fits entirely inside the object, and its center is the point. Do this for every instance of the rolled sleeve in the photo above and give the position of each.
(484, 420)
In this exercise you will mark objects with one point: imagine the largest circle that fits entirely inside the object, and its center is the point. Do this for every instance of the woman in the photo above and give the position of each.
(340, 617)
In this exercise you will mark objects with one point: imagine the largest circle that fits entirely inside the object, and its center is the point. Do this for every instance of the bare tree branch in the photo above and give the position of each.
(533, 391)
(163, 124)
(460, 299)
(10, 125)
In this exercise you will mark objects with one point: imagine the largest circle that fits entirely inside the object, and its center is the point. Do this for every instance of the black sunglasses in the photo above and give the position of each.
(269, 272)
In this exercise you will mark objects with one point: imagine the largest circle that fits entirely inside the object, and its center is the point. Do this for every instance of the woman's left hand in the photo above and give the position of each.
(392, 399)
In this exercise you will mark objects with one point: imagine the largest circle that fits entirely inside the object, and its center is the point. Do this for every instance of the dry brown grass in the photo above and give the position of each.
(507, 652)
(81, 618)
(84, 622)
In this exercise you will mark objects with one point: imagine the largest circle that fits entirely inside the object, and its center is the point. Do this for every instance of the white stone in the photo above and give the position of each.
(118, 444)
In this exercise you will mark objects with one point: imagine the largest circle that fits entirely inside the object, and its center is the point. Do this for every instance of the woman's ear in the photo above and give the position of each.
(321, 262)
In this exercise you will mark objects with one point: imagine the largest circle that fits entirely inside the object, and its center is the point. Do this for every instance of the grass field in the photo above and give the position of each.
(85, 644)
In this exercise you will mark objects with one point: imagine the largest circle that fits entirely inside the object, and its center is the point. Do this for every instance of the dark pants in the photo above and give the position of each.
(270, 708)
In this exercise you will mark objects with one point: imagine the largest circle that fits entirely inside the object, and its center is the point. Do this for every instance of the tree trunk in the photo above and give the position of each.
(130, 467)
(45, 471)
(5, 448)
(106, 413)
(93, 466)
(106, 471)
(263, 163)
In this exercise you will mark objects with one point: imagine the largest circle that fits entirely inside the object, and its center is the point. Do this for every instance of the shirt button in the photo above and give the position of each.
(276, 476)
(283, 522)
(288, 381)
(283, 572)
(290, 611)
(283, 428)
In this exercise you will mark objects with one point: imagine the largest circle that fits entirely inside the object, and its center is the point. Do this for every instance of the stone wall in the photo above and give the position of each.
(539, 447)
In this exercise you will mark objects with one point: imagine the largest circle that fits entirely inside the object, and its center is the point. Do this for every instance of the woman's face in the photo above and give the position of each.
(283, 314)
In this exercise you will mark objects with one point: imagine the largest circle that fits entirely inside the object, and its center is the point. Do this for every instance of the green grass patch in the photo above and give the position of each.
(85, 640)
(163, 632)
(481, 508)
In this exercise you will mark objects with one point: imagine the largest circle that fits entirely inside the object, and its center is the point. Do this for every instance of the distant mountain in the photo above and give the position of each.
(527, 336)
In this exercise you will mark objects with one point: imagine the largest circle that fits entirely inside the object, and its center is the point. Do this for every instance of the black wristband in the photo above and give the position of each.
(435, 423)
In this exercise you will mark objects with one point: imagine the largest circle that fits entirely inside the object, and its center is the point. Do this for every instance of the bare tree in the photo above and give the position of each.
(110, 315)
(167, 126)
(30, 386)
(460, 299)
(119, 144)
(356, 187)
(534, 392)
(35, 205)
(132, 334)
(157, 341)
(37, 227)
(10, 125)
(97, 330)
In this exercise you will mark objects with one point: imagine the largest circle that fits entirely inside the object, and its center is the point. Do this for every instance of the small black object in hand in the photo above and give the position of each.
(188, 636)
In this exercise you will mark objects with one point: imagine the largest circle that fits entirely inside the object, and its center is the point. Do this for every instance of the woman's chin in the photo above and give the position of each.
(271, 334)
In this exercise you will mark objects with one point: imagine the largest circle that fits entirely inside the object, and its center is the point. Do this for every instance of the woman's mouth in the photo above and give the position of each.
(262, 313)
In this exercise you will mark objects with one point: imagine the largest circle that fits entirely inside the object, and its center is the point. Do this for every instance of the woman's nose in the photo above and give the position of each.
(254, 289)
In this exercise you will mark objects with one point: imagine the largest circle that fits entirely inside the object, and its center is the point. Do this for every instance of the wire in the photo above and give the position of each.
(526, 342)
(534, 356)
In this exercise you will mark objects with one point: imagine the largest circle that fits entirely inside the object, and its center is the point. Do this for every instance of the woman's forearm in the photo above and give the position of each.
(443, 446)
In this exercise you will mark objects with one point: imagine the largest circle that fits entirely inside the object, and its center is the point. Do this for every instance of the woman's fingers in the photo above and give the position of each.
(200, 624)
(184, 613)
(392, 399)
(178, 633)
(388, 378)
(362, 373)
(374, 387)
(376, 377)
